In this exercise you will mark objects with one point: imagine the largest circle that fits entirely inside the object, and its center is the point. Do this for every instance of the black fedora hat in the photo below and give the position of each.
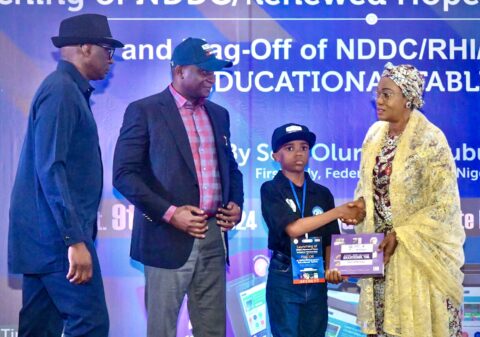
(85, 28)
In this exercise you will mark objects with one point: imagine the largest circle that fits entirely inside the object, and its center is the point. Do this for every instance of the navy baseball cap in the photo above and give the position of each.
(291, 131)
(193, 51)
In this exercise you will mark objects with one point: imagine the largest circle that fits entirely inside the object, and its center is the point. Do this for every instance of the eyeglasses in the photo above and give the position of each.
(385, 95)
(108, 48)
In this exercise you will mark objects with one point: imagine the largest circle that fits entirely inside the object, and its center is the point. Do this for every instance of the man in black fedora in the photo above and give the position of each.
(57, 191)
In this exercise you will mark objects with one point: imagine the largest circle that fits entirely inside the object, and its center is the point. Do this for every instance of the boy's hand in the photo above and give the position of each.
(229, 216)
(333, 276)
(353, 212)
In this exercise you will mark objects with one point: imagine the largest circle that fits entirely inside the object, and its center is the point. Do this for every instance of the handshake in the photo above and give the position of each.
(353, 212)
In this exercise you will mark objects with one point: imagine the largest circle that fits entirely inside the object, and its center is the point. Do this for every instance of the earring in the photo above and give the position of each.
(408, 105)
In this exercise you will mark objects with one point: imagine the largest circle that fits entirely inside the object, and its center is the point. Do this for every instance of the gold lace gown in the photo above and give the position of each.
(383, 224)
(409, 184)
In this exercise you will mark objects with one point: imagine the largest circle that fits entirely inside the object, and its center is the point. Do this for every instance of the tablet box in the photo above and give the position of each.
(357, 255)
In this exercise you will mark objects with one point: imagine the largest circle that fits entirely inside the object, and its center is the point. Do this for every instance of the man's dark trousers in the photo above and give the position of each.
(50, 298)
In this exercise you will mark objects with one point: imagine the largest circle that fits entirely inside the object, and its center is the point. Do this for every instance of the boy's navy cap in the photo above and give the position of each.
(291, 131)
(197, 52)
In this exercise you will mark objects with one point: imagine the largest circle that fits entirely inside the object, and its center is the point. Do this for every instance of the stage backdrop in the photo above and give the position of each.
(314, 62)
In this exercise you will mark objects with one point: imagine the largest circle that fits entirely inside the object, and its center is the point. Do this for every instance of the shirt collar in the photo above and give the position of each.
(82, 82)
(284, 181)
(182, 101)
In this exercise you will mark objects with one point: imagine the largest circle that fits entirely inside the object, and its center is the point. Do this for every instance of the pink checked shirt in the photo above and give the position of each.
(202, 143)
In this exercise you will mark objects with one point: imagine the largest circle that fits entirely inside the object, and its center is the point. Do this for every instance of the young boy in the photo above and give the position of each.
(292, 206)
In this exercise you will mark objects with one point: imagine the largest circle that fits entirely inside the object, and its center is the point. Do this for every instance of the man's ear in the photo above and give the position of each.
(178, 71)
(86, 49)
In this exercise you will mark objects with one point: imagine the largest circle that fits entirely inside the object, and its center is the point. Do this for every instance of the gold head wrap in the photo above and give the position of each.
(410, 81)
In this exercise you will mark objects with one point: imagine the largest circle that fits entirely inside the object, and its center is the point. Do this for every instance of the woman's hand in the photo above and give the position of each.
(388, 245)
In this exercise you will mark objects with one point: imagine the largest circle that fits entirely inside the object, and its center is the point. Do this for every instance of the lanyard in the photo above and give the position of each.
(302, 208)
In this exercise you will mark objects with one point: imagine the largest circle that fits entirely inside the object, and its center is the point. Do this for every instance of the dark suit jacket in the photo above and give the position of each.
(153, 168)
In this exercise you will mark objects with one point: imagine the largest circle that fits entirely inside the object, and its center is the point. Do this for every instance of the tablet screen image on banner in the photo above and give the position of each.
(357, 254)
(246, 298)
(255, 308)
(332, 330)
(471, 311)
(341, 324)
(342, 315)
(307, 260)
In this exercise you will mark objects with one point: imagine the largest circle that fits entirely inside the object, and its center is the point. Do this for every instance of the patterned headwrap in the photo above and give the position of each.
(410, 81)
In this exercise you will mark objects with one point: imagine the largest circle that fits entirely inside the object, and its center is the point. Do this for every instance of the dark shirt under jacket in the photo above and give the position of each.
(278, 214)
(58, 185)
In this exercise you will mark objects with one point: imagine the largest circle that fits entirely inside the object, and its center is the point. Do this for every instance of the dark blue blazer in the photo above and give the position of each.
(153, 168)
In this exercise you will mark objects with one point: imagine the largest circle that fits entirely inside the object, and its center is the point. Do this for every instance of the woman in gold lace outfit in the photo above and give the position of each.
(409, 188)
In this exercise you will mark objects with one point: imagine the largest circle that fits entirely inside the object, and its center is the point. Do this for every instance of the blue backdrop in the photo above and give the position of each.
(314, 62)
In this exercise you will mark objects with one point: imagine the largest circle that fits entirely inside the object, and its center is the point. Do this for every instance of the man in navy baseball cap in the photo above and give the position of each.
(192, 197)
